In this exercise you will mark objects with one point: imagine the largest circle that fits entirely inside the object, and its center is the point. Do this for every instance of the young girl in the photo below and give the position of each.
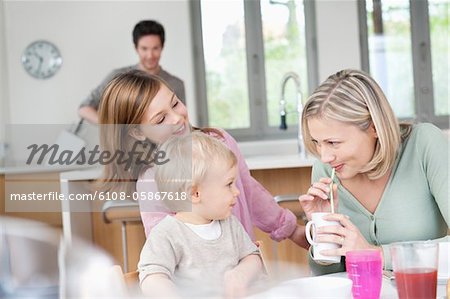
(203, 249)
(142, 108)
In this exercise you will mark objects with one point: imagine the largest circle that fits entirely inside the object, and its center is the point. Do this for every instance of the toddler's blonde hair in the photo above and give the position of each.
(190, 157)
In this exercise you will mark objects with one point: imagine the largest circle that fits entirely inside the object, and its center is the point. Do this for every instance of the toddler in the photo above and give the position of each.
(203, 248)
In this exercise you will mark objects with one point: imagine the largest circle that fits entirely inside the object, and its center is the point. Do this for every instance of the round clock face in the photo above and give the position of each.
(41, 59)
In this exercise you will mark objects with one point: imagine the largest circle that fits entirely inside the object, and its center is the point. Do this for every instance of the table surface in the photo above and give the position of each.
(389, 290)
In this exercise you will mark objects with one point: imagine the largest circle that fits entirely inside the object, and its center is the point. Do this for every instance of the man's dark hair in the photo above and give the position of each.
(148, 27)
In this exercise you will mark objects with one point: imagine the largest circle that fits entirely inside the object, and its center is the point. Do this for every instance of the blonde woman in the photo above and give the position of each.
(139, 111)
(391, 180)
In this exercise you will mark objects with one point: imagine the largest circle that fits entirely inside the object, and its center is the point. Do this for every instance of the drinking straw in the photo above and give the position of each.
(331, 190)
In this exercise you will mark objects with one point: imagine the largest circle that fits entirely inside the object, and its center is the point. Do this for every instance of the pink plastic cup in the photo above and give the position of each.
(365, 270)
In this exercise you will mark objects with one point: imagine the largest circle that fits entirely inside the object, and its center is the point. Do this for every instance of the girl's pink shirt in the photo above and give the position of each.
(255, 205)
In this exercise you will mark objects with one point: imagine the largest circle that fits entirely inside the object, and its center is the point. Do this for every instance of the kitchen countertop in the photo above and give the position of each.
(24, 169)
(273, 154)
(253, 162)
(81, 174)
(268, 154)
(278, 161)
(265, 154)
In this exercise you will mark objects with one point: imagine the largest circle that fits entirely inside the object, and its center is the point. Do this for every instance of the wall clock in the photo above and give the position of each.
(41, 59)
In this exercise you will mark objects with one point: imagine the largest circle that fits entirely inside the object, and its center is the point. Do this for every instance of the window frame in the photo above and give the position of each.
(421, 61)
(259, 127)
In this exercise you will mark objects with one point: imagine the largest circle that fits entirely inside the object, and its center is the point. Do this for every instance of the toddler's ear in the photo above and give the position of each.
(195, 194)
(137, 134)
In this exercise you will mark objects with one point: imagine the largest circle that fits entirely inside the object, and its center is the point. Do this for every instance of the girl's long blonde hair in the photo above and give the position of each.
(353, 97)
(124, 103)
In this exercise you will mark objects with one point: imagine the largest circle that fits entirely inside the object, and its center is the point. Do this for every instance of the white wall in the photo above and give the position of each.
(3, 79)
(93, 37)
(337, 36)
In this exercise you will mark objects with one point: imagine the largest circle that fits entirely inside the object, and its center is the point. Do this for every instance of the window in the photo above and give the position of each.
(405, 48)
(244, 48)
(439, 36)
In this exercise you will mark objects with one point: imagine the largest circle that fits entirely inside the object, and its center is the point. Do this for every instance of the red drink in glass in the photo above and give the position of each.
(416, 283)
(415, 267)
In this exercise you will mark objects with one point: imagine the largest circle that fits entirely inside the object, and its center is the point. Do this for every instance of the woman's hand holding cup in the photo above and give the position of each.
(347, 235)
(320, 246)
(341, 234)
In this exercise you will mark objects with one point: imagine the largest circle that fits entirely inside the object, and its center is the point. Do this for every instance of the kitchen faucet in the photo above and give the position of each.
(283, 112)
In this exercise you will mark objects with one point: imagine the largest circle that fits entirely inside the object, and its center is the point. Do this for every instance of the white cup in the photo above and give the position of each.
(316, 222)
